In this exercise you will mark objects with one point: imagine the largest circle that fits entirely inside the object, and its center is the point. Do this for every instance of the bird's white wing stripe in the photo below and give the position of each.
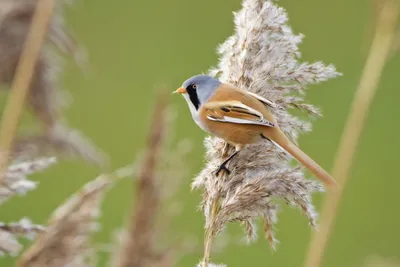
(237, 104)
(241, 121)
(259, 114)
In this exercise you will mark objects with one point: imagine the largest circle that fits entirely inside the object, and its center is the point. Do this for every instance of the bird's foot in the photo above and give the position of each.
(222, 167)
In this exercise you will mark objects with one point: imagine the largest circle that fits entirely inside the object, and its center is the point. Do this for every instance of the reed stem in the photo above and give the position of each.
(210, 233)
(379, 52)
(22, 79)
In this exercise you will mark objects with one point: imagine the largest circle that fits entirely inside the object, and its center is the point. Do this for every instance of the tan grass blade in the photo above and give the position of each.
(379, 51)
(22, 78)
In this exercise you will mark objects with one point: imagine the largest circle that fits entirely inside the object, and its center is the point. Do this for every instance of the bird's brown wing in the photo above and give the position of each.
(234, 112)
(263, 100)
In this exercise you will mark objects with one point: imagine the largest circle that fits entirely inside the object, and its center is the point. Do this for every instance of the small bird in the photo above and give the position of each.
(240, 118)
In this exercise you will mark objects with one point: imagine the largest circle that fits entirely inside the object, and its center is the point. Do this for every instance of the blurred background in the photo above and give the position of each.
(134, 46)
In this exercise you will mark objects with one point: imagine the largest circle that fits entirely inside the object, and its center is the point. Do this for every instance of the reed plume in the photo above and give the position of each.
(261, 56)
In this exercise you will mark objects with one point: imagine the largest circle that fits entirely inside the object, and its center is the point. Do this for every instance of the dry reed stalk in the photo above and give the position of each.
(22, 79)
(379, 51)
(210, 232)
(139, 246)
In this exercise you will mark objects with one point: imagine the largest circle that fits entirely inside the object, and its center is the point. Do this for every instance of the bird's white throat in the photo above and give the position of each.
(194, 112)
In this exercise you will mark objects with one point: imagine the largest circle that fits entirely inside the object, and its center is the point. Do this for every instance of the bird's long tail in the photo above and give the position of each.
(285, 144)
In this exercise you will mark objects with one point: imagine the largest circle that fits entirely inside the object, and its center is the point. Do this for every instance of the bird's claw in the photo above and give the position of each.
(222, 167)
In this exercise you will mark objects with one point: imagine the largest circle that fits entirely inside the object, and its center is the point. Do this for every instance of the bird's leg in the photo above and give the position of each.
(223, 165)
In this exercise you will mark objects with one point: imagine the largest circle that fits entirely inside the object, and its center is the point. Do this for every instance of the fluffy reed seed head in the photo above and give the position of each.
(262, 56)
(15, 180)
(9, 233)
(66, 242)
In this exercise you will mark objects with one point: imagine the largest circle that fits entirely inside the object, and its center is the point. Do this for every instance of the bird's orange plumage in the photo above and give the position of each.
(244, 134)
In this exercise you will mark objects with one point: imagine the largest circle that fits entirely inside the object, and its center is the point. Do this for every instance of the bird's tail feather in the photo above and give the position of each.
(287, 146)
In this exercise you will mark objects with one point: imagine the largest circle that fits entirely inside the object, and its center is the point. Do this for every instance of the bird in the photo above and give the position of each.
(240, 118)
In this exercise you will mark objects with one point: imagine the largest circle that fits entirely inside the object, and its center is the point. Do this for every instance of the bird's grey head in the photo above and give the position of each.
(198, 89)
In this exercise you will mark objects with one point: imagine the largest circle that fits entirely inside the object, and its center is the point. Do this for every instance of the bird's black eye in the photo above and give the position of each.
(194, 86)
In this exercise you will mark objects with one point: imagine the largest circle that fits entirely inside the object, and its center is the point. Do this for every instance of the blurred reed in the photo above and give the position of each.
(15, 182)
(380, 50)
(139, 242)
(30, 64)
(66, 239)
(22, 79)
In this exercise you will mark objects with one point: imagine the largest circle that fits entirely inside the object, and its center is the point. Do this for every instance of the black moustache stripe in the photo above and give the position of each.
(193, 97)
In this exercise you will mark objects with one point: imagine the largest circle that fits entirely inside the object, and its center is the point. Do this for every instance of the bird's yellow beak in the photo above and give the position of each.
(180, 90)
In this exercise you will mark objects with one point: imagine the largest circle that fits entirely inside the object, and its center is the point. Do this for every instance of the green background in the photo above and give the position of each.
(134, 46)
